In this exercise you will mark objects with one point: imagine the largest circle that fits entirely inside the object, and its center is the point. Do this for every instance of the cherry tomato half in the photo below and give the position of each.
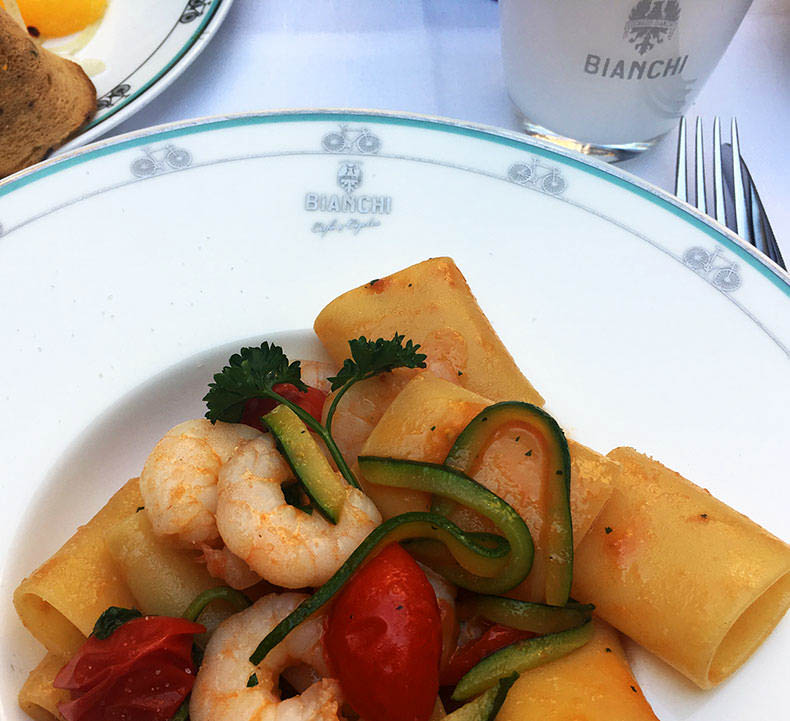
(312, 401)
(384, 639)
(142, 672)
(469, 655)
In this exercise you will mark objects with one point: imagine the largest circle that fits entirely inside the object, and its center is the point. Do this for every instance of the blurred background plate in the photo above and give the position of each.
(641, 322)
(140, 48)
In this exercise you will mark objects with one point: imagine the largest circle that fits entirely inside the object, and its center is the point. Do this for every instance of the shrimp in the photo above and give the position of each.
(446, 352)
(362, 407)
(221, 563)
(221, 691)
(283, 544)
(316, 373)
(179, 480)
(179, 484)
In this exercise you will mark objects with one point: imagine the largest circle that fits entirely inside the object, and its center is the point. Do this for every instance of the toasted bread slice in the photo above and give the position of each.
(44, 99)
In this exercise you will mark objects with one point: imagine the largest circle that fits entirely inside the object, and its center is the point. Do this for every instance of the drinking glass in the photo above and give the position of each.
(611, 77)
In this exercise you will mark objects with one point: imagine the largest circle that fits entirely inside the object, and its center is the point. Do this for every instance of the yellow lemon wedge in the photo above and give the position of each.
(55, 18)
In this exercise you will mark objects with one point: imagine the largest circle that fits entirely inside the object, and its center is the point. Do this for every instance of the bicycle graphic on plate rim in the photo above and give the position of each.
(342, 141)
(158, 160)
(111, 97)
(535, 173)
(724, 277)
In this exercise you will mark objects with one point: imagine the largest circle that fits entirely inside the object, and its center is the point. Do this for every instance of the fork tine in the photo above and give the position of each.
(750, 220)
(764, 239)
(680, 169)
(699, 168)
(741, 219)
(758, 232)
(718, 180)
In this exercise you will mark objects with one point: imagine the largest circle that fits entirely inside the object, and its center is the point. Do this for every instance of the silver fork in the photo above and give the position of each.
(747, 214)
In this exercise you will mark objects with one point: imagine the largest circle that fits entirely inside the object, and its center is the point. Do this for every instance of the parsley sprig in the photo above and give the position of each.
(371, 358)
(250, 373)
(253, 372)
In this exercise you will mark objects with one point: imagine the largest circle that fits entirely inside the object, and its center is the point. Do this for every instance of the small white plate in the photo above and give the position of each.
(141, 47)
(641, 321)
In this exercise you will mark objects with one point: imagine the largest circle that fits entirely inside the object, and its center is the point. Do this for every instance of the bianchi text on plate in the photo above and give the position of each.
(349, 177)
(336, 203)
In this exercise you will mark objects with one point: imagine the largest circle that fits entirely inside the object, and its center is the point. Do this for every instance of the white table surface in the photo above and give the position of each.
(442, 57)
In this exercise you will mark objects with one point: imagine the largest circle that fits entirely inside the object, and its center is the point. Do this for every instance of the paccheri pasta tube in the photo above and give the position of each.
(162, 578)
(431, 304)
(61, 600)
(684, 575)
(423, 422)
(593, 683)
(38, 699)
(113, 560)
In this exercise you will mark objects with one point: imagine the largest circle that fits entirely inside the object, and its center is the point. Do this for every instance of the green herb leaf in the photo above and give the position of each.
(114, 617)
(250, 373)
(369, 358)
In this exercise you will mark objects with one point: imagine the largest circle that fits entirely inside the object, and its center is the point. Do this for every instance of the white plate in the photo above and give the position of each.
(640, 321)
(142, 46)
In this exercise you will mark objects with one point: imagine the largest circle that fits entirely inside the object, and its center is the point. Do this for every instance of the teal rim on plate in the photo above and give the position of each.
(636, 347)
(119, 102)
(611, 174)
(192, 11)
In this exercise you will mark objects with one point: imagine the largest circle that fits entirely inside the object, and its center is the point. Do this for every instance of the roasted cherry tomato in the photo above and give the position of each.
(469, 655)
(142, 672)
(384, 639)
(312, 401)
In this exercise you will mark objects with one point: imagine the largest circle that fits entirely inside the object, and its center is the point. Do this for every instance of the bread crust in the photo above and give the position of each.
(44, 99)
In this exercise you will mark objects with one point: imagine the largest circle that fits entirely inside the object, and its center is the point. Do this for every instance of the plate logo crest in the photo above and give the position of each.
(650, 22)
(349, 176)
(348, 211)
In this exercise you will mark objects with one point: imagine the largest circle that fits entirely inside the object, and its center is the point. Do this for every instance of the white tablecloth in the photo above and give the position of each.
(442, 57)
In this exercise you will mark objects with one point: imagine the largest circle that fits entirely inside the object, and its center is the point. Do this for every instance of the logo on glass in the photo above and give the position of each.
(650, 22)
